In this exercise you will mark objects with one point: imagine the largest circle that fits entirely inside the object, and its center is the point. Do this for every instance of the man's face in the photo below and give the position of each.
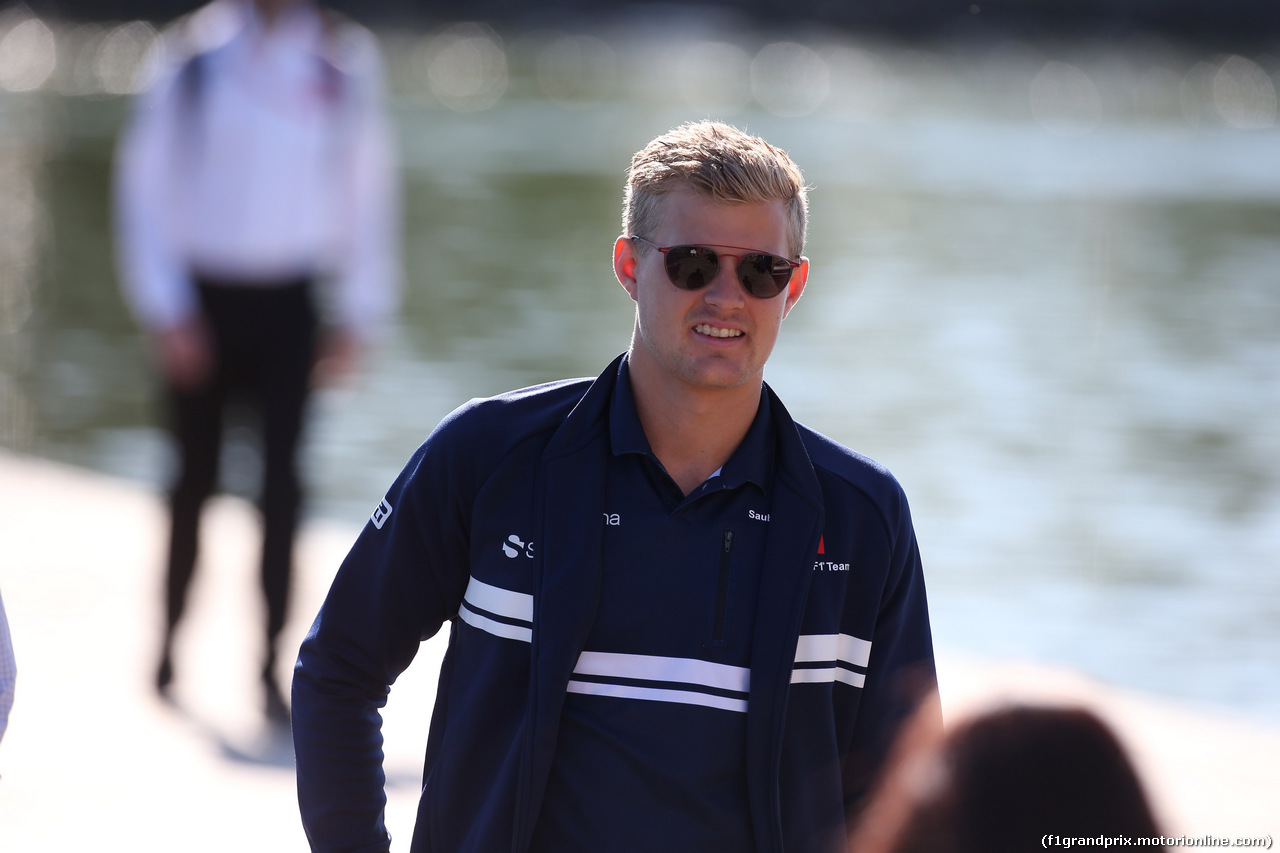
(717, 337)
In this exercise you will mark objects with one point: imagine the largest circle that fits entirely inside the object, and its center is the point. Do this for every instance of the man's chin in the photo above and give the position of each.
(720, 376)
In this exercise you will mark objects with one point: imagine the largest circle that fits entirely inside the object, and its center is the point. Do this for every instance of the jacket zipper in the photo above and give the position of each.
(722, 586)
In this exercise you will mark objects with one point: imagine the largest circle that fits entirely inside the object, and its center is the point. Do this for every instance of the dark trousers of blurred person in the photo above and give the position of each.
(263, 342)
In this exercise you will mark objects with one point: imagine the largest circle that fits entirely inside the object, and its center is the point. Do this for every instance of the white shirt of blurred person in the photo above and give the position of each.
(259, 164)
(275, 179)
(8, 671)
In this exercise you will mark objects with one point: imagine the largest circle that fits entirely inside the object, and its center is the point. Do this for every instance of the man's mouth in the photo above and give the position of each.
(716, 331)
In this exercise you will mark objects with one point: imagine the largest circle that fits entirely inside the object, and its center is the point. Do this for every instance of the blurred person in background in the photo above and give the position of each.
(679, 620)
(1001, 781)
(8, 671)
(256, 228)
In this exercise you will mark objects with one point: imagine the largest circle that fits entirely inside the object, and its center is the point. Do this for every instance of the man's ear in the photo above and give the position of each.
(795, 287)
(625, 260)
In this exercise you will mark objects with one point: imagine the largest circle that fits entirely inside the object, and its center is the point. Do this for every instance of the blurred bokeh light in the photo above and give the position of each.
(28, 56)
(465, 67)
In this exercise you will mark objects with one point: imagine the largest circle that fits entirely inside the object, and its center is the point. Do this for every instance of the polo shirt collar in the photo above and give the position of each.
(751, 462)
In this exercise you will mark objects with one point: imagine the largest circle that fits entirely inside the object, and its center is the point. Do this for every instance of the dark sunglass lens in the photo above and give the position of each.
(781, 271)
(691, 267)
(764, 276)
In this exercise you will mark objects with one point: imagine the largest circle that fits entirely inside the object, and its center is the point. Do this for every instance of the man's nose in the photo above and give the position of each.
(725, 289)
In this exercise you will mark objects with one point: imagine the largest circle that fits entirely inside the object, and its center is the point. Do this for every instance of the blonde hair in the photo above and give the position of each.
(721, 162)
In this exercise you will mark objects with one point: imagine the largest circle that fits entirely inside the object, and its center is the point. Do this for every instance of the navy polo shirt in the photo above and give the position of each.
(652, 743)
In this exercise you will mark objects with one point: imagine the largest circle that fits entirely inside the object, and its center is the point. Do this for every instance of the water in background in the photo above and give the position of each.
(1044, 294)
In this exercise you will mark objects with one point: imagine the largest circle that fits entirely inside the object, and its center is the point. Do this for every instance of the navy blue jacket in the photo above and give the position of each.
(841, 648)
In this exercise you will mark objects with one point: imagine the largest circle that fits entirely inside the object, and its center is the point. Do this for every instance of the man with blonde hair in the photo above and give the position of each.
(680, 621)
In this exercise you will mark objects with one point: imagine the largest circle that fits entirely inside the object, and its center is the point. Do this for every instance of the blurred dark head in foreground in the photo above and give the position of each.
(1000, 782)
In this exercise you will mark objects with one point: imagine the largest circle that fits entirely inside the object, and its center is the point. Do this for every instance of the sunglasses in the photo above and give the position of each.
(761, 274)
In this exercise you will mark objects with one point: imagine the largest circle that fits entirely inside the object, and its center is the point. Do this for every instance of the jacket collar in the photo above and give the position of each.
(751, 462)
(569, 500)
(796, 509)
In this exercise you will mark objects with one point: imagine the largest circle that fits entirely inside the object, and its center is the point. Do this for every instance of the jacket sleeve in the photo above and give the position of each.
(403, 578)
(901, 673)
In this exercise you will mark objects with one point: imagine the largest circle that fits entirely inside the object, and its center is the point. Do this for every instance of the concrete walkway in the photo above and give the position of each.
(93, 760)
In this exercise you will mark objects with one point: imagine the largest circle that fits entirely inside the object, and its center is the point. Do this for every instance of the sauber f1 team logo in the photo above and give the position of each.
(513, 547)
(827, 565)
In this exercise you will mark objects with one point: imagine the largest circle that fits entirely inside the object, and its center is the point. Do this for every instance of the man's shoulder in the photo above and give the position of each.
(350, 46)
(203, 30)
(508, 418)
(347, 43)
(472, 441)
(850, 467)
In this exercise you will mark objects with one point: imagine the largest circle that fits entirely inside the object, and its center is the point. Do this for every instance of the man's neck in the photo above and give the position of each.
(693, 431)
